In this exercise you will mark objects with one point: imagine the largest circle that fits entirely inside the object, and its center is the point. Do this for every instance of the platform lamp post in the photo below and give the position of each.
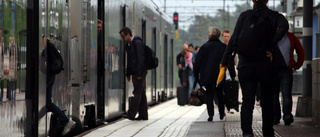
(304, 105)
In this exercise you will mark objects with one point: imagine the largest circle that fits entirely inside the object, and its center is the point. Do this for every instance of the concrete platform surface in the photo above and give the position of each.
(171, 120)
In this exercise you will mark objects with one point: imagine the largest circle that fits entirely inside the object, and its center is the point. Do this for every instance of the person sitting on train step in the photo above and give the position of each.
(136, 68)
(206, 69)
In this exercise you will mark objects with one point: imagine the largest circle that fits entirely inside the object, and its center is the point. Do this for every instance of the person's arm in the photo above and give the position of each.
(198, 62)
(300, 52)
(139, 46)
(231, 67)
(283, 26)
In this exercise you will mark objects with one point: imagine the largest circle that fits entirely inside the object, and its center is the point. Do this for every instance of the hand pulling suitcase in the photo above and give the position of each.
(182, 95)
(231, 93)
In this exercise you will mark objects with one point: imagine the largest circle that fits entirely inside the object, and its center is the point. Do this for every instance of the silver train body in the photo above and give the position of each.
(92, 88)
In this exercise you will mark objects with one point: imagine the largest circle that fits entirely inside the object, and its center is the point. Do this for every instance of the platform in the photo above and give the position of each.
(171, 120)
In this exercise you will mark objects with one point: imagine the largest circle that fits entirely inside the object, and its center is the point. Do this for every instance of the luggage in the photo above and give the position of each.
(182, 95)
(197, 97)
(231, 93)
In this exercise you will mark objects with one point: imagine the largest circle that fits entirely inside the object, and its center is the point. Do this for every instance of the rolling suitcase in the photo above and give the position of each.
(231, 93)
(182, 95)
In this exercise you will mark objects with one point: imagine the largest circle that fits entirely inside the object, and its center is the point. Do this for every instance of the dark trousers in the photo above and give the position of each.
(139, 101)
(284, 84)
(249, 78)
(49, 104)
(211, 91)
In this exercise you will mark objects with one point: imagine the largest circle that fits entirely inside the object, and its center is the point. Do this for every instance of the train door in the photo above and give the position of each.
(170, 79)
(165, 69)
(101, 60)
(19, 31)
(144, 31)
(153, 73)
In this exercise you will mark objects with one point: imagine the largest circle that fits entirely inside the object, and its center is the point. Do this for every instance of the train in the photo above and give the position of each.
(92, 88)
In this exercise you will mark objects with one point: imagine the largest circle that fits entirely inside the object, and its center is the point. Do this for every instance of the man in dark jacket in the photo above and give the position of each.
(136, 68)
(263, 70)
(206, 69)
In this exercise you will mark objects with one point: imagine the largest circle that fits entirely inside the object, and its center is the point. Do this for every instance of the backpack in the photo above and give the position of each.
(150, 58)
(255, 36)
(53, 61)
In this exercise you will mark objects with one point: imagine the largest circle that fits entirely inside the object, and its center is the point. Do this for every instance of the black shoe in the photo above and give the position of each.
(126, 116)
(210, 118)
(288, 119)
(139, 118)
(222, 116)
(276, 122)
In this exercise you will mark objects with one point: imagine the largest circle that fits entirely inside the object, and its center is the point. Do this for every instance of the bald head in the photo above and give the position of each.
(185, 46)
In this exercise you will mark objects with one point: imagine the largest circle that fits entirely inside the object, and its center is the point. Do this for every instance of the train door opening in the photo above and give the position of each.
(165, 70)
(144, 31)
(171, 69)
(153, 73)
(101, 60)
(123, 61)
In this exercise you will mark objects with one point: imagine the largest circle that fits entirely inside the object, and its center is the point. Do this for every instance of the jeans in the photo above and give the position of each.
(191, 80)
(49, 104)
(249, 78)
(284, 84)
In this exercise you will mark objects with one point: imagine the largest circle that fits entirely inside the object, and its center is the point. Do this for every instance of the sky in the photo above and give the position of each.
(188, 8)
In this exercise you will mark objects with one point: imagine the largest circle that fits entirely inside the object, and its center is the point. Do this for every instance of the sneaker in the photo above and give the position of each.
(67, 128)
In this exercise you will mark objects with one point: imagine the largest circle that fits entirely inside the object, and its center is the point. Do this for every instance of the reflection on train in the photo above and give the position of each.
(92, 88)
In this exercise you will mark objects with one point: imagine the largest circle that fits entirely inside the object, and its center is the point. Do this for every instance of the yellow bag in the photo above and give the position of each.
(221, 75)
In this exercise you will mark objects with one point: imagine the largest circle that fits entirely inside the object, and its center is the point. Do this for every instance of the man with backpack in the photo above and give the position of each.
(254, 40)
(137, 68)
(52, 64)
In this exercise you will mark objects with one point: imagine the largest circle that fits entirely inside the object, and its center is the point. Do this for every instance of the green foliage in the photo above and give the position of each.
(198, 30)
(20, 21)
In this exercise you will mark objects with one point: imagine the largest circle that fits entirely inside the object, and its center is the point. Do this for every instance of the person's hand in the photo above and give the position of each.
(269, 55)
(180, 66)
(138, 78)
(221, 66)
(184, 83)
(293, 69)
(128, 78)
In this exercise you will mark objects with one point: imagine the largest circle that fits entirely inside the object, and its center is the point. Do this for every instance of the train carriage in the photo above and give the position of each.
(92, 88)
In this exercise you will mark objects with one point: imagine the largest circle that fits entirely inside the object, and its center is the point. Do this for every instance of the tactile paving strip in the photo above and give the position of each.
(232, 124)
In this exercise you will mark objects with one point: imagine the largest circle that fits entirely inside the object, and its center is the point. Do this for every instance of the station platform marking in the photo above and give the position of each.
(165, 120)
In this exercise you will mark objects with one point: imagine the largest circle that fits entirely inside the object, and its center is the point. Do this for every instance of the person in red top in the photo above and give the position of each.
(287, 45)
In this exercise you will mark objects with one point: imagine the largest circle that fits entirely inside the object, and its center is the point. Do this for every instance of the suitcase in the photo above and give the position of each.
(231, 93)
(182, 95)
